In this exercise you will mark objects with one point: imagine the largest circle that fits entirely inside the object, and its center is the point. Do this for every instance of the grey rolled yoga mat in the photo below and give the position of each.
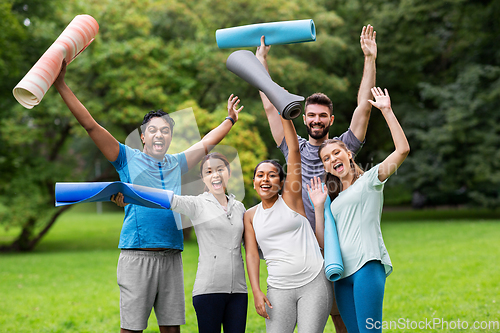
(246, 65)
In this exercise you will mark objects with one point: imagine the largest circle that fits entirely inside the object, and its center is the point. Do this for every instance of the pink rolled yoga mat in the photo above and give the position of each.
(79, 33)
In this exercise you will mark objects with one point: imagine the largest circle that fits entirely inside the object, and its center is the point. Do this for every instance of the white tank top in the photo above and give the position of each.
(288, 244)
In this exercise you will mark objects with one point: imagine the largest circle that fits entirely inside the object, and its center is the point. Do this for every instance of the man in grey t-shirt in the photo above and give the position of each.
(318, 117)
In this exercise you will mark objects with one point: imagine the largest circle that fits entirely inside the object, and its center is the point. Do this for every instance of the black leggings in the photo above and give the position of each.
(214, 310)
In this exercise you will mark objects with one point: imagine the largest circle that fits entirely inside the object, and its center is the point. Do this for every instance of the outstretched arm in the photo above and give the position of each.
(272, 114)
(253, 264)
(195, 153)
(106, 143)
(394, 160)
(292, 190)
(361, 115)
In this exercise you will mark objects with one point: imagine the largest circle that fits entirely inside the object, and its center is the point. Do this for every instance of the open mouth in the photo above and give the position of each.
(217, 185)
(158, 145)
(339, 167)
(265, 187)
(317, 127)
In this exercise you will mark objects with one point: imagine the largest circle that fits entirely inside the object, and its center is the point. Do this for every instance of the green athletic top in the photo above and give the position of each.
(357, 213)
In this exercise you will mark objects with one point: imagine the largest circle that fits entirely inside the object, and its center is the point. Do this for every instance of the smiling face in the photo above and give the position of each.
(318, 120)
(267, 181)
(215, 175)
(336, 160)
(156, 138)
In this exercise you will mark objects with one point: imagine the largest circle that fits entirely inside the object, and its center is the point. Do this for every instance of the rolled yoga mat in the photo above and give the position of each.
(73, 193)
(334, 266)
(285, 32)
(73, 40)
(246, 65)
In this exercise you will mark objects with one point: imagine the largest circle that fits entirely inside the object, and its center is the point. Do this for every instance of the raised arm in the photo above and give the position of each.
(253, 264)
(195, 153)
(318, 194)
(361, 115)
(394, 160)
(272, 114)
(292, 190)
(106, 143)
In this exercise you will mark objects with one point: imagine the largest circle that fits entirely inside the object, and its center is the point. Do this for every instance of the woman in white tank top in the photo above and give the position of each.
(298, 293)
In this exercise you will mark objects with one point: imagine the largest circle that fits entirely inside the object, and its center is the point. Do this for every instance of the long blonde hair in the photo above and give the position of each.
(333, 183)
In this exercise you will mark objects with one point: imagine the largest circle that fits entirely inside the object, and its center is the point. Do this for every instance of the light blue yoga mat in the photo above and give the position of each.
(284, 32)
(73, 193)
(334, 266)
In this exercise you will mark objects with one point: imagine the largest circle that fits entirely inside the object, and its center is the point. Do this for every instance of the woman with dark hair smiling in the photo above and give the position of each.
(298, 293)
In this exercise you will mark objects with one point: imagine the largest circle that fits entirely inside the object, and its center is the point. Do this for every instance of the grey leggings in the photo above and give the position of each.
(308, 307)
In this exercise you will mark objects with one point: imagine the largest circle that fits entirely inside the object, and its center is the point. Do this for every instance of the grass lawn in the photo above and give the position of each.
(444, 270)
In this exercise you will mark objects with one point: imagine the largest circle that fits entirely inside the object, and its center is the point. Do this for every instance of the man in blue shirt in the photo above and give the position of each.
(150, 265)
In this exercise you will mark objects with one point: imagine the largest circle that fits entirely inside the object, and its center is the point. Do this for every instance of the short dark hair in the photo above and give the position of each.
(276, 164)
(160, 114)
(320, 99)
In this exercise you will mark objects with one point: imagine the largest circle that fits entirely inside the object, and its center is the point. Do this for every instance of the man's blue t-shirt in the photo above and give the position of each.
(145, 227)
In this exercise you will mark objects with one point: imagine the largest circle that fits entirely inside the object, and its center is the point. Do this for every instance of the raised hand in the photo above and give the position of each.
(382, 99)
(367, 41)
(317, 192)
(262, 50)
(232, 107)
(60, 78)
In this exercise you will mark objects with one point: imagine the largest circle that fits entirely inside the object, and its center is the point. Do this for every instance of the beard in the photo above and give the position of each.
(317, 135)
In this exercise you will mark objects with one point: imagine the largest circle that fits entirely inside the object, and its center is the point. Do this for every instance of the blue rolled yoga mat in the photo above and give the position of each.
(73, 193)
(334, 266)
(284, 32)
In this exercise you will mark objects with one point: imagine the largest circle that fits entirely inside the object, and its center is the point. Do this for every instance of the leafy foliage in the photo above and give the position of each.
(437, 59)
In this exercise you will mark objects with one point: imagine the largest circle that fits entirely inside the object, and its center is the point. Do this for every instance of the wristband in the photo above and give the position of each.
(232, 120)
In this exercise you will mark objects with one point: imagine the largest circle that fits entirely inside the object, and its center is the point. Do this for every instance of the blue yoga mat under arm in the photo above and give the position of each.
(73, 193)
(284, 32)
(334, 266)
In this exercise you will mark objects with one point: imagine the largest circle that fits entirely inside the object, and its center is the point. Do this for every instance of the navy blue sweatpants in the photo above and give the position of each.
(216, 310)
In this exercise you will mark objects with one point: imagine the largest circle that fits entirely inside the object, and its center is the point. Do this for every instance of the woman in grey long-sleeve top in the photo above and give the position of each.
(220, 293)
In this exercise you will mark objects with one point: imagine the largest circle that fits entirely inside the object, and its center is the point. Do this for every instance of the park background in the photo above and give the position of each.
(440, 61)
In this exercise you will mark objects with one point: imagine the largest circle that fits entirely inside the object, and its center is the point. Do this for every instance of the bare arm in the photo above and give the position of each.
(253, 264)
(292, 190)
(396, 158)
(106, 143)
(318, 194)
(272, 114)
(195, 153)
(361, 115)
